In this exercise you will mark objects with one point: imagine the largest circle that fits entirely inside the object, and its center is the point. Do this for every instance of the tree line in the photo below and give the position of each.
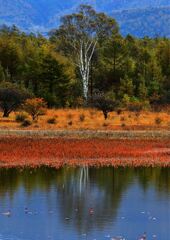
(86, 58)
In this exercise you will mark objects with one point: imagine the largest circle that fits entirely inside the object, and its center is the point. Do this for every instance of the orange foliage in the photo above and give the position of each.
(35, 107)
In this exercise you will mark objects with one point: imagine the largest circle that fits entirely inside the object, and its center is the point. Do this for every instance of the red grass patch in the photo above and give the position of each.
(32, 152)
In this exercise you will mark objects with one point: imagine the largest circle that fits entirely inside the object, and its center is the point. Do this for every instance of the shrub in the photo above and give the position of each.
(122, 119)
(21, 117)
(119, 111)
(123, 125)
(35, 107)
(26, 123)
(158, 120)
(105, 124)
(82, 117)
(70, 123)
(51, 120)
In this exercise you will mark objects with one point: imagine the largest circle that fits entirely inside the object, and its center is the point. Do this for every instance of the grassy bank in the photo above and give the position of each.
(89, 134)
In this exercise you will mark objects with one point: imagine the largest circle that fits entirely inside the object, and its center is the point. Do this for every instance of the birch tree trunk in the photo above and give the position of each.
(85, 55)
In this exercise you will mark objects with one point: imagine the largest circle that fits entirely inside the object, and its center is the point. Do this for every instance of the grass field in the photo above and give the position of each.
(81, 119)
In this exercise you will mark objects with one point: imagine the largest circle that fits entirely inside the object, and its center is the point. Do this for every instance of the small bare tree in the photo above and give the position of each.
(79, 35)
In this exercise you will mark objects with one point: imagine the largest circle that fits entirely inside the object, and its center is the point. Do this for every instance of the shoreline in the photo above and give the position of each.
(89, 134)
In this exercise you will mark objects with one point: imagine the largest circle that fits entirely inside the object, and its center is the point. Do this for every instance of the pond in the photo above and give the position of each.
(85, 204)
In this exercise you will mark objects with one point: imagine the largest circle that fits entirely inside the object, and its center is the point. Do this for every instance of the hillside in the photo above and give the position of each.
(135, 17)
(145, 22)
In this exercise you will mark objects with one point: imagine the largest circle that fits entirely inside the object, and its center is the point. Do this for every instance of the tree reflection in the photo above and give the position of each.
(76, 190)
(103, 193)
(159, 178)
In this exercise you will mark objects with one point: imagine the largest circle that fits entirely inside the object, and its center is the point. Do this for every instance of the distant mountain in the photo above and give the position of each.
(137, 17)
(145, 22)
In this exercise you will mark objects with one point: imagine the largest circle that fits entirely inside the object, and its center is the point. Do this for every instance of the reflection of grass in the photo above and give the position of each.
(93, 119)
(58, 152)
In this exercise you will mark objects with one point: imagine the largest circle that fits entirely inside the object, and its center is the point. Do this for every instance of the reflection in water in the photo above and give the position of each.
(60, 203)
(84, 177)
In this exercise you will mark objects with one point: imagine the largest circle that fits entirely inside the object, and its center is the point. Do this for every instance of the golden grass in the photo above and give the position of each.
(80, 119)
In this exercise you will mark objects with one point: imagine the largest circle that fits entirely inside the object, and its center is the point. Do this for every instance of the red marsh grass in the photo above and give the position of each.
(57, 152)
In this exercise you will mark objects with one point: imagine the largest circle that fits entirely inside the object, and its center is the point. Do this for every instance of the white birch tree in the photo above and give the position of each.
(79, 35)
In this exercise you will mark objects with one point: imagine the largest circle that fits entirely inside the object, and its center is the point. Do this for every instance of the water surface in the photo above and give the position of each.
(85, 204)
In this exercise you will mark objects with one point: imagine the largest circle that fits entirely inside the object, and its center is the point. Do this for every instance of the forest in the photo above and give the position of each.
(85, 57)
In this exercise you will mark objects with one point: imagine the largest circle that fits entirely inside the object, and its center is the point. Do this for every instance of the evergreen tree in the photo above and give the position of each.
(2, 74)
(126, 87)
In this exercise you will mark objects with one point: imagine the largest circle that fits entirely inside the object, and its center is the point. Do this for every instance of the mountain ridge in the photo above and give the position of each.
(31, 15)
